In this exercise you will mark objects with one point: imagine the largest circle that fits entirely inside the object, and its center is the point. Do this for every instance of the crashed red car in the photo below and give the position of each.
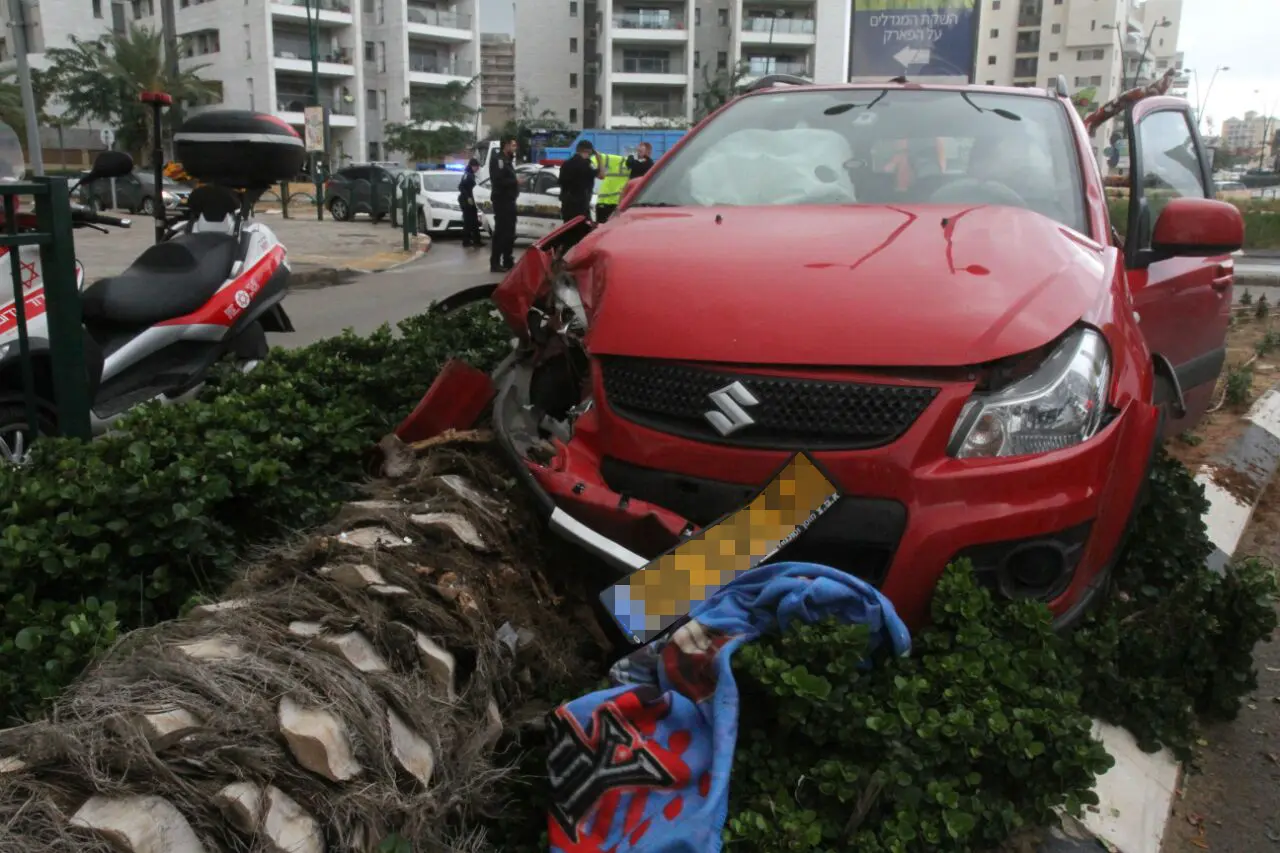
(919, 286)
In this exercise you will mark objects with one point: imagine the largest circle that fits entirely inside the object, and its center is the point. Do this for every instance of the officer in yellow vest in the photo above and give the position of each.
(613, 172)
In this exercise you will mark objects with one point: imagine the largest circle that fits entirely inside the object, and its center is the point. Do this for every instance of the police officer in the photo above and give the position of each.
(467, 201)
(614, 176)
(504, 189)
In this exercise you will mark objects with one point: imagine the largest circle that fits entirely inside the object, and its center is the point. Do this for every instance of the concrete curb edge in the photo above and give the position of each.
(1137, 795)
(305, 277)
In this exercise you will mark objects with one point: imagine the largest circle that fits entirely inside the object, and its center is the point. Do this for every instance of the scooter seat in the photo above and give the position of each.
(168, 280)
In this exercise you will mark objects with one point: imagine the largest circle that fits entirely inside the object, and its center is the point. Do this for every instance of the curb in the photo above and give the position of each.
(1136, 796)
(335, 275)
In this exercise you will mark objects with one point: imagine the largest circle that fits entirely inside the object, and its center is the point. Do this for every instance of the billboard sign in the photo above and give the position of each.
(918, 38)
(313, 128)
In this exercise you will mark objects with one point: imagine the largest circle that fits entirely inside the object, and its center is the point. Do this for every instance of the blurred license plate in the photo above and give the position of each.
(649, 601)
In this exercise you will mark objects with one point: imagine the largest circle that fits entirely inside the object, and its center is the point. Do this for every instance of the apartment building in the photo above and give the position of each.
(1247, 135)
(631, 63)
(497, 78)
(375, 58)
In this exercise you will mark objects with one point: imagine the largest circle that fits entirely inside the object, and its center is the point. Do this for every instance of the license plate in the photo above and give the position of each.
(652, 599)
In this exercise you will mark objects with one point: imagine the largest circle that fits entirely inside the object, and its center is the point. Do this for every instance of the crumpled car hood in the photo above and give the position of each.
(926, 286)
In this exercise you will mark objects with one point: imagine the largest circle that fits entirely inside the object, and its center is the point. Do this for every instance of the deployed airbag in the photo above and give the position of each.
(793, 166)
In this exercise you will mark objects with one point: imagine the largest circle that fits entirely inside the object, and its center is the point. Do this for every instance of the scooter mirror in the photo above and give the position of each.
(109, 164)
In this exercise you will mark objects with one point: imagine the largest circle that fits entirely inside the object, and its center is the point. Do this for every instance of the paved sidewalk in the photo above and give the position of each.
(313, 246)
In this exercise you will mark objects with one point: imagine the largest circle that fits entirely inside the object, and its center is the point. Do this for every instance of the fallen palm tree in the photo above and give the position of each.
(353, 687)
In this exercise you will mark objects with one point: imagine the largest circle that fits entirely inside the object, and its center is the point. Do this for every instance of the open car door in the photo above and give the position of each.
(1183, 303)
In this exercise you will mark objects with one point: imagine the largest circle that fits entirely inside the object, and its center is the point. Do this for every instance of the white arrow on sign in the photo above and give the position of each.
(912, 56)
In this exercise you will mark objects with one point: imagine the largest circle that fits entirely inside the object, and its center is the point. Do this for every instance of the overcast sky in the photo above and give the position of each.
(1242, 34)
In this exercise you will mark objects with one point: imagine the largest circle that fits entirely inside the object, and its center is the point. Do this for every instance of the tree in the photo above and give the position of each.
(439, 123)
(720, 88)
(101, 79)
(529, 120)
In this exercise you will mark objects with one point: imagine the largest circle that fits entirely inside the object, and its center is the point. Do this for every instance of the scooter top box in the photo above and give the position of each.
(238, 148)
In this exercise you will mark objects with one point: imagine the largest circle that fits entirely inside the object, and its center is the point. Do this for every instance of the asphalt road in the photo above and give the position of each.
(365, 302)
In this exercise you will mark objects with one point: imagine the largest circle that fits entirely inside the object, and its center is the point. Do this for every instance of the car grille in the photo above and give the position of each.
(792, 413)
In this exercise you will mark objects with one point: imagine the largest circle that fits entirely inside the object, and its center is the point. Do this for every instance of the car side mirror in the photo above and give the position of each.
(109, 164)
(1197, 228)
(555, 191)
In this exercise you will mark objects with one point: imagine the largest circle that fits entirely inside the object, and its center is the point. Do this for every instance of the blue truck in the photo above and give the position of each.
(611, 142)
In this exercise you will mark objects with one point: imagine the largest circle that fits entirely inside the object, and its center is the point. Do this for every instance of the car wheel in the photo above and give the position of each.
(16, 435)
(424, 227)
(148, 207)
(339, 209)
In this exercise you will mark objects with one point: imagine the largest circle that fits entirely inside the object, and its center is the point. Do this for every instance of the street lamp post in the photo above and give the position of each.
(1159, 25)
(1208, 90)
(313, 37)
(18, 23)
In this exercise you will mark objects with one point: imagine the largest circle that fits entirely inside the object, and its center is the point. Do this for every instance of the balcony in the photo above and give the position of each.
(760, 66)
(328, 13)
(651, 27)
(1030, 13)
(430, 70)
(650, 71)
(291, 107)
(764, 30)
(291, 55)
(632, 112)
(437, 25)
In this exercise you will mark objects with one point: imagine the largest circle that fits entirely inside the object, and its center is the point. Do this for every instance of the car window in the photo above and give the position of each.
(544, 182)
(880, 146)
(1170, 163)
(442, 182)
(524, 179)
(355, 173)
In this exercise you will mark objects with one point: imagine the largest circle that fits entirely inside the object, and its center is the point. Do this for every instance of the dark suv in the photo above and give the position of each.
(367, 188)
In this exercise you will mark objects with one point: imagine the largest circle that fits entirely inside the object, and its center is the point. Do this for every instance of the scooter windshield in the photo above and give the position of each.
(13, 163)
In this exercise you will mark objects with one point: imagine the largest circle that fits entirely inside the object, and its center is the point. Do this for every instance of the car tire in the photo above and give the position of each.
(148, 206)
(338, 208)
(424, 227)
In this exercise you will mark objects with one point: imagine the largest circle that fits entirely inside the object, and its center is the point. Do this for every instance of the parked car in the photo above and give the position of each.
(367, 188)
(438, 207)
(949, 329)
(538, 205)
(136, 193)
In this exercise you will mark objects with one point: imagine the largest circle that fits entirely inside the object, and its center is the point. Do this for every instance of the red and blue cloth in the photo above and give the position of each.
(644, 767)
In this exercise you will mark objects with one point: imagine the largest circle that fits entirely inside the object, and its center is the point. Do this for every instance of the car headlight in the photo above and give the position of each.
(1060, 404)
(167, 196)
(446, 205)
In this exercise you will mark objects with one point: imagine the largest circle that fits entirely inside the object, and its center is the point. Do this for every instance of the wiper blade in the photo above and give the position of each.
(654, 204)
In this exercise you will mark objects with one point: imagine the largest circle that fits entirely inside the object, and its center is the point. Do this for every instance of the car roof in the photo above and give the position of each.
(1023, 91)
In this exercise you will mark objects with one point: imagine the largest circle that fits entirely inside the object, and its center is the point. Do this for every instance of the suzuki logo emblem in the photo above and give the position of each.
(730, 414)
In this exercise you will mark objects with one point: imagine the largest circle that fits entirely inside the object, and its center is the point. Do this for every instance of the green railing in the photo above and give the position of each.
(65, 382)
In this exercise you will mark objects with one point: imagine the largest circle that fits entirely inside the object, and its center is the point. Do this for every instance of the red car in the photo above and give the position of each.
(918, 285)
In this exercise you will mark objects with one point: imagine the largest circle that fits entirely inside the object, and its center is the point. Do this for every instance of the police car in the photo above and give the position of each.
(538, 205)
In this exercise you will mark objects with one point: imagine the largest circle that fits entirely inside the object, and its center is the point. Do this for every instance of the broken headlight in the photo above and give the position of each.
(1059, 404)
(567, 303)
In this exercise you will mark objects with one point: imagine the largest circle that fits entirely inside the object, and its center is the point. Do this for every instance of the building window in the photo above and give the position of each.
(97, 8)
(382, 56)
(722, 60)
(697, 16)
(722, 17)
(375, 152)
(573, 115)
(992, 82)
(1055, 29)
(995, 34)
(573, 45)
(369, 52)
(118, 22)
(382, 12)
(573, 81)
(995, 5)
(1053, 56)
(371, 100)
(573, 8)
(367, 6)
(697, 59)
(1093, 25)
(991, 60)
(248, 43)
(1057, 2)
(382, 103)
(249, 85)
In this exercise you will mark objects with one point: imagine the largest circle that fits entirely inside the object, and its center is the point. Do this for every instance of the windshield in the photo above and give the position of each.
(879, 146)
(441, 182)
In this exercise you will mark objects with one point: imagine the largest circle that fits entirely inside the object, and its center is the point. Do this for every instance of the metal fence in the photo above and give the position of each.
(60, 379)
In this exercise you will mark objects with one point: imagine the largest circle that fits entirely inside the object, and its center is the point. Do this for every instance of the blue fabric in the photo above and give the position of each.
(644, 767)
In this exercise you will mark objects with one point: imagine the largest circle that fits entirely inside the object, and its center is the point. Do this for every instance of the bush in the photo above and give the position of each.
(164, 507)
(977, 734)
(1175, 640)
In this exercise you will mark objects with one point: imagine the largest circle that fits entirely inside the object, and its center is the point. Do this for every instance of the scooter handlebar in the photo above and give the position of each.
(82, 214)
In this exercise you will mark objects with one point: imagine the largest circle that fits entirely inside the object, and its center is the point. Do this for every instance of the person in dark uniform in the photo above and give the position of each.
(639, 164)
(504, 189)
(467, 201)
(577, 180)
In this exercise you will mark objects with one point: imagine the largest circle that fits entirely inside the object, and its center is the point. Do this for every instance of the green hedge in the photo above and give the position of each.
(1261, 221)
(104, 537)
